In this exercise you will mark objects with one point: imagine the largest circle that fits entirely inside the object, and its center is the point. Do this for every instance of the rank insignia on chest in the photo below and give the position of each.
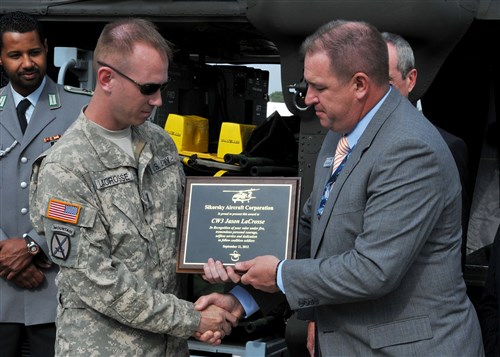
(3, 98)
(54, 101)
(63, 211)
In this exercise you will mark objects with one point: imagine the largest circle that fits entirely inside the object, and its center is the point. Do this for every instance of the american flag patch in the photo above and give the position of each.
(63, 211)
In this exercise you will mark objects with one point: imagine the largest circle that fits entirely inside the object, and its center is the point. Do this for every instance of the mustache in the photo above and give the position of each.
(29, 71)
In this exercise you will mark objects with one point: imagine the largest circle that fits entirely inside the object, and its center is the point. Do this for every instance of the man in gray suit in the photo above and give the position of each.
(27, 287)
(384, 277)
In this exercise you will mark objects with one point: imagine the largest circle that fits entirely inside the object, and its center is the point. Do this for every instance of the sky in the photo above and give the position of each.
(274, 76)
(274, 86)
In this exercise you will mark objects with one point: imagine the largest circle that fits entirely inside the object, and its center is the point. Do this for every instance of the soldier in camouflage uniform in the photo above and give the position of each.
(108, 198)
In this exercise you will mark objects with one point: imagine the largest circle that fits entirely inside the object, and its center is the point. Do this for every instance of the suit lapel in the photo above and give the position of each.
(361, 147)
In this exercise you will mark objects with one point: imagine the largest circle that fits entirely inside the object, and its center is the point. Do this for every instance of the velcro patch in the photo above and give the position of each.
(63, 211)
(160, 163)
(63, 229)
(60, 245)
(113, 180)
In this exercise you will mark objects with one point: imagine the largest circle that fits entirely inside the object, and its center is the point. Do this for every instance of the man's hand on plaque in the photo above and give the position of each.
(259, 272)
(215, 273)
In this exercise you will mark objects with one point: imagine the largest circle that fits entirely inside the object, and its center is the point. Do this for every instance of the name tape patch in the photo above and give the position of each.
(63, 211)
(160, 164)
(113, 180)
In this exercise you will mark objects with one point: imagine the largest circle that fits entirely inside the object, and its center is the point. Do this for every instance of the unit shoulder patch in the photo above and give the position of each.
(60, 245)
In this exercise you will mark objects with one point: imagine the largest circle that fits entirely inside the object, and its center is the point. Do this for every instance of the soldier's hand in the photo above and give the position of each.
(14, 257)
(29, 278)
(227, 302)
(215, 324)
(41, 261)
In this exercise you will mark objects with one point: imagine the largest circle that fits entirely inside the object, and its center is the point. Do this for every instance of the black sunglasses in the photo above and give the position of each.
(146, 89)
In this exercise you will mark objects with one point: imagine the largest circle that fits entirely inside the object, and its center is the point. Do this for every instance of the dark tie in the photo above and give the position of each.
(341, 155)
(21, 111)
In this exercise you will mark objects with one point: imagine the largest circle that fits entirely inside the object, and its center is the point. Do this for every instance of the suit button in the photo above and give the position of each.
(24, 210)
(24, 184)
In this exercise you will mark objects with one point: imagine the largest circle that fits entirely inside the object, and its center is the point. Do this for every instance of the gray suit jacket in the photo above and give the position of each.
(386, 276)
(50, 118)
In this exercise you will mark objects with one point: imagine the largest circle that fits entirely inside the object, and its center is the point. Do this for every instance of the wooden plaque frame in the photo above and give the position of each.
(234, 219)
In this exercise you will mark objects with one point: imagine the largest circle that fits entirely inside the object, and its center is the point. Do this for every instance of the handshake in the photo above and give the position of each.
(221, 312)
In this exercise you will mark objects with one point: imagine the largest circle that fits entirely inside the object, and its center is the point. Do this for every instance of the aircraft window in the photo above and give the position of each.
(274, 87)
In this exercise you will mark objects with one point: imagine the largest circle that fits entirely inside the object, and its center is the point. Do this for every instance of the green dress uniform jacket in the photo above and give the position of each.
(55, 110)
(111, 223)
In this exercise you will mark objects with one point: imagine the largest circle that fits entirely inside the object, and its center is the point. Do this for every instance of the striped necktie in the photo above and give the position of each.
(341, 155)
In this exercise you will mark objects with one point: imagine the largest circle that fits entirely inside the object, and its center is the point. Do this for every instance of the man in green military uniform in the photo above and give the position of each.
(27, 280)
